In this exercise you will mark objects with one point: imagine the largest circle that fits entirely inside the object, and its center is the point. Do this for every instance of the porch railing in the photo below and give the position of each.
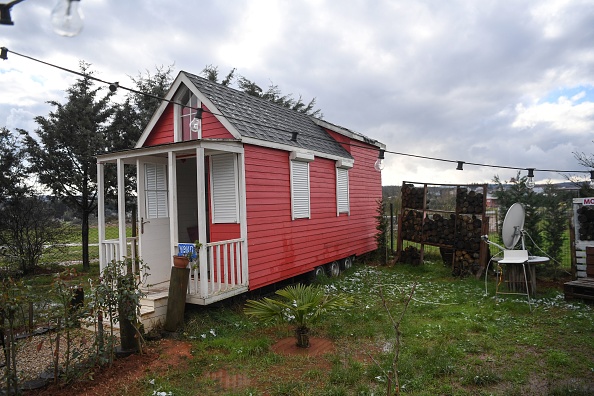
(111, 251)
(225, 268)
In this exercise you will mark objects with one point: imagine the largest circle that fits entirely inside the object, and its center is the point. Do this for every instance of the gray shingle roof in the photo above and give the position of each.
(260, 119)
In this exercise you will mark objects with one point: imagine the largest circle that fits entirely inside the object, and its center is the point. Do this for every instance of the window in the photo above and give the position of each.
(342, 190)
(224, 185)
(300, 184)
(187, 114)
(342, 185)
(156, 191)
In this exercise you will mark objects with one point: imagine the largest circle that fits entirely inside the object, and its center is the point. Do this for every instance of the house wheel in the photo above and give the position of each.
(316, 274)
(333, 269)
(347, 263)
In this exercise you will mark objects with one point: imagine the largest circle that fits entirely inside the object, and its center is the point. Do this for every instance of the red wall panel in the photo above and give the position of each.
(162, 132)
(279, 247)
(212, 127)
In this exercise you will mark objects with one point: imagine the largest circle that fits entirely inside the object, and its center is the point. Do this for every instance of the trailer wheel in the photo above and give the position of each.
(347, 263)
(333, 269)
(316, 274)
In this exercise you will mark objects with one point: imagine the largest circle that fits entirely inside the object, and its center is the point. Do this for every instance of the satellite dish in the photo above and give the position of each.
(513, 224)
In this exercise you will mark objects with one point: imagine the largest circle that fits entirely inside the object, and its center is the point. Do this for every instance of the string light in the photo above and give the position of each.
(380, 163)
(530, 180)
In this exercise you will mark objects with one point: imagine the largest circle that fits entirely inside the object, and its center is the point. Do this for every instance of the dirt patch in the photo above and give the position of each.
(317, 347)
(123, 375)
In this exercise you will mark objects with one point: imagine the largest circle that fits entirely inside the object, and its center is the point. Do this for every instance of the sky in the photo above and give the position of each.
(507, 83)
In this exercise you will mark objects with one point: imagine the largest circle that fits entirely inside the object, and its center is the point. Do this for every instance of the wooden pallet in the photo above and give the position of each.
(581, 289)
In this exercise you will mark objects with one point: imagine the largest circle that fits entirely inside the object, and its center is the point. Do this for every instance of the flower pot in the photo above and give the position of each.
(180, 261)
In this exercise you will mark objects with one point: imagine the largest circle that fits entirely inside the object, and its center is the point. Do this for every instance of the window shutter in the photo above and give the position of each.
(342, 190)
(225, 201)
(156, 191)
(300, 189)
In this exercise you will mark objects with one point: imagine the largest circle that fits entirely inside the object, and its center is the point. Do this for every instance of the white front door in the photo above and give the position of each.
(154, 218)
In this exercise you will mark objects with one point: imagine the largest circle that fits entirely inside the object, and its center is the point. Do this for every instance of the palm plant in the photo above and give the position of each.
(299, 305)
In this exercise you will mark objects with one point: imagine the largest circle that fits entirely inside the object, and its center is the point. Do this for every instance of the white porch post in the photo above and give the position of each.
(101, 213)
(121, 210)
(202, 219)
(172, 186)
(243, 221)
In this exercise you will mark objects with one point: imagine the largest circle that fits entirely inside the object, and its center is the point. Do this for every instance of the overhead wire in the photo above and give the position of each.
(116, 85)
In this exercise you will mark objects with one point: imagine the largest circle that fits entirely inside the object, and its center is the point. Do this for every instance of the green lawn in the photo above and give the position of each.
(456, 340)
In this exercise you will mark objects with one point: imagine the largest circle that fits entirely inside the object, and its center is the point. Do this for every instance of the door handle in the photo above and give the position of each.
(142, 223)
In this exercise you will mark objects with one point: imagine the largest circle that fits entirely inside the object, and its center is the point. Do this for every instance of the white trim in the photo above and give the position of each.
(101, 212)
(172, 196)
(344, 163)
(301, 156)
(201, 204)
(212, 144)
(243, 219)
(121, 209)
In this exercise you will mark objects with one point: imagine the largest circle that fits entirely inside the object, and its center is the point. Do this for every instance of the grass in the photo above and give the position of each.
(456, 340)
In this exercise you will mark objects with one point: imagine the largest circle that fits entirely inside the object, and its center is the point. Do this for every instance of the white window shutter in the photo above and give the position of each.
(342, 190)
(225, 202)
(156, 191)
(300, 189)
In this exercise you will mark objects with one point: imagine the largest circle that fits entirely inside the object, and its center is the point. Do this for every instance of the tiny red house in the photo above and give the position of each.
(269, 193)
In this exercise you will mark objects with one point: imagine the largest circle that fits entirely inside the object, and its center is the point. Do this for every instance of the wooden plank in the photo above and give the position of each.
(582, 289)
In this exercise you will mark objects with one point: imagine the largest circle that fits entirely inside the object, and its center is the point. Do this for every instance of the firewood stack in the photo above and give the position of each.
(465, 263)
(586, 222)
(410, 255)
(412, 197)
(468, 233)
(412, 226)
(439, 229)
(469, 202)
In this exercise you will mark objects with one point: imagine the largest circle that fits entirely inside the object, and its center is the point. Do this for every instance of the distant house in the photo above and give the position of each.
(270, 193)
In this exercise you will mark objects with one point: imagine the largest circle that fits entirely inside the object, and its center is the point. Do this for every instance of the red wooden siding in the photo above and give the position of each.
(343, 140)
(279, 247)
(162, 132)
(212, 127)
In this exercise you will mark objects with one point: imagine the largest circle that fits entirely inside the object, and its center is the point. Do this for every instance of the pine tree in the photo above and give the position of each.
(69, 138)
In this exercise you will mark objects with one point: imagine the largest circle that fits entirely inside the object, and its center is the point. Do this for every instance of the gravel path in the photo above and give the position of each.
(35, 354)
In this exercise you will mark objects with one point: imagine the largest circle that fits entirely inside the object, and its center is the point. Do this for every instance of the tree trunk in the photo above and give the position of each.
(302, 337)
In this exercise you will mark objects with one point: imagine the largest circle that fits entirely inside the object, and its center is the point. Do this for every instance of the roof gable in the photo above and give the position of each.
(258, 121)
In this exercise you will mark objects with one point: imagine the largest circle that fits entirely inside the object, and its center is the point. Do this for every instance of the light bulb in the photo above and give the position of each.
(195, 124)
(530, 183)
(67, 18)
(379, 164)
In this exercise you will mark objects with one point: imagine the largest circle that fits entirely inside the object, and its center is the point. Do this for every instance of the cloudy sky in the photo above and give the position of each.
(498, 82)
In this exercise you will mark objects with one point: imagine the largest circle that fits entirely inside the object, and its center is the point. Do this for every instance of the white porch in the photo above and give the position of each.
(221, 270)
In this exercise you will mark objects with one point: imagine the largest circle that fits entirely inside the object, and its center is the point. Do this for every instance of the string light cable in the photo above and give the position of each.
(113, 86)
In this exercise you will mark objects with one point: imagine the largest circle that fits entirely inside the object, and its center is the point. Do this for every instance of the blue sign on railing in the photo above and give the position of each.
(184, 248)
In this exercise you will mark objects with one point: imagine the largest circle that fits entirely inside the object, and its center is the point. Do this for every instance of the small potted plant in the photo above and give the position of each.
(182, 261)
